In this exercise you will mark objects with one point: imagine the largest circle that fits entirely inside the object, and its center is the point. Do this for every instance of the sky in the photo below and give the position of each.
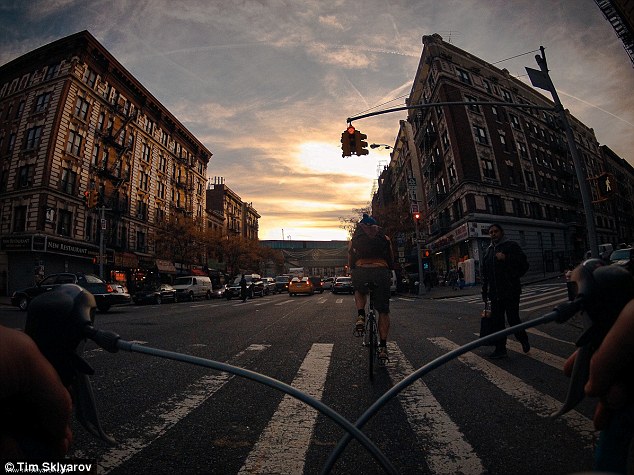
(267, 85)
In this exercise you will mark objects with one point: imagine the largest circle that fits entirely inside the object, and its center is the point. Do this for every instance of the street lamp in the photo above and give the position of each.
(377, 145)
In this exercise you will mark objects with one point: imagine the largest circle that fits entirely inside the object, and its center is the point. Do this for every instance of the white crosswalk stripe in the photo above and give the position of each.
(283, 444)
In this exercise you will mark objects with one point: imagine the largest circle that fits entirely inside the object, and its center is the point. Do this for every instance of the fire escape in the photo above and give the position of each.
(620, 25)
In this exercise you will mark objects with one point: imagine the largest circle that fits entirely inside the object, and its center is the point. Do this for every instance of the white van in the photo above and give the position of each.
(192, 287)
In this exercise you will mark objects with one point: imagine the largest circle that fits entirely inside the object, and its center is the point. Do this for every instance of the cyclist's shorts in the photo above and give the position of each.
(383, 279)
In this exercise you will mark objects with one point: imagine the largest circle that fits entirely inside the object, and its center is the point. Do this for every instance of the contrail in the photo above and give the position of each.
(597, 107)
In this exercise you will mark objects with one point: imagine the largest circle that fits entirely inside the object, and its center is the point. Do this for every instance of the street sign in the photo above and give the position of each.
(103, 224)
(414, 207)
(411, 182)
(401, 260)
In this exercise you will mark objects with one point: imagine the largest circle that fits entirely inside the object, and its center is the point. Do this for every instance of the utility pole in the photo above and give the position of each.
(543, 81)
(102, 216)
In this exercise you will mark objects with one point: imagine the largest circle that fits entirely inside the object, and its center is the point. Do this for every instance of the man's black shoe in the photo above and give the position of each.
(526, 346)
(496, 355)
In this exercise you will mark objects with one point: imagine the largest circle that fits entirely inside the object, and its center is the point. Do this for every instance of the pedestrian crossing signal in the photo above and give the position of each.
(605, 183)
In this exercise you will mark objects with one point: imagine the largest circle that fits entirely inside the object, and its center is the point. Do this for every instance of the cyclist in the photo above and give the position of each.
(371, 259)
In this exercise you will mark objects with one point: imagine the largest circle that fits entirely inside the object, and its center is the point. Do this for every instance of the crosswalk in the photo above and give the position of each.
(534, 298)
(282, 445)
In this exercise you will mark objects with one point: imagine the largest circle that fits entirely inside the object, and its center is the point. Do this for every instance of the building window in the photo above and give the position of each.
(144, 181)
(487, 86)
(69, 178)
(81, 109)
(529, 178)
(141, 209)
(33, 138)
(162, 163)
(74, 143)
(481, 135)
(494, 204)
(145, 154)
(19, 219)
(475, 107)
(523, 150)
(41, 102)
(90, 78)
(506, 95)
(25, 176)
(505, 146)
(64, 220)
(488, 169)
(11, 143)
(18, 113)
(463, 76)
(51, 72)
(161, 190)
(140, 241)
(515, 122)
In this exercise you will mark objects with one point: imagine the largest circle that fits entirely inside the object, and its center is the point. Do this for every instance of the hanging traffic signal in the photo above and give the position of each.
(416, 216)
(348, 142)
(94, 198)
(86, 198)
(425, 253)
(360, 144)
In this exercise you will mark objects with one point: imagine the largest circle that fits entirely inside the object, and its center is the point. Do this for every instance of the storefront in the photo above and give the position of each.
(30, 257)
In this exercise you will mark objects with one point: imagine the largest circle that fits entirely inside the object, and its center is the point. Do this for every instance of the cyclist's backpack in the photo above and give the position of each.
(365, 245)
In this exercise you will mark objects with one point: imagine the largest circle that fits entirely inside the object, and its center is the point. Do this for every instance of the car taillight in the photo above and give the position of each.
(109, 288)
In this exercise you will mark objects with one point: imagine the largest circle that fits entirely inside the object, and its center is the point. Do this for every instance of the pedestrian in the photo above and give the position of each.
(460, 278)
(243, 288)
(503, 264)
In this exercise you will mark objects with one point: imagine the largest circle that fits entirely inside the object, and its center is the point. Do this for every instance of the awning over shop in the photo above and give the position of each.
(195, 271)
(166, 267)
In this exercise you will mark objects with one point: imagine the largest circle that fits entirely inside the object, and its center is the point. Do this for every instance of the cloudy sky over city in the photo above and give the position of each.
(267, 85)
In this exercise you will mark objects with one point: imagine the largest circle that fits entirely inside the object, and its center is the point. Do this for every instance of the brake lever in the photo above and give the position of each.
(603, 291)
(59, 322)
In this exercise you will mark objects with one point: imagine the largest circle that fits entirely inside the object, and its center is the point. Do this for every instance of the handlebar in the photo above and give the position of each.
(62, 320)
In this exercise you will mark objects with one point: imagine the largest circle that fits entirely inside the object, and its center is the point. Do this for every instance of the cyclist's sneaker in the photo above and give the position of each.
(360, 325)
(383, 353)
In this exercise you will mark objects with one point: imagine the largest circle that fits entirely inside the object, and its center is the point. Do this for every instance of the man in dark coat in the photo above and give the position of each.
(503, 265)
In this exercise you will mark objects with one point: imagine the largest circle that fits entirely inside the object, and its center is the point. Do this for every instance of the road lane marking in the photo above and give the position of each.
(544, 357)
(284, 302)
(165, 415)
(283, 444)
(542, 404)
(448, 452)
(537, 332)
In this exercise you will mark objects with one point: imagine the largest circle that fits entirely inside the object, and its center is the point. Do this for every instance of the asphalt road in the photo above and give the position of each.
(472, 415)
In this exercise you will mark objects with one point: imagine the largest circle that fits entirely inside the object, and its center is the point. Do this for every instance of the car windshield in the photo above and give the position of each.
(344, 279)
(620, 255)
(93, 279)
(282, 278)
(238, 279)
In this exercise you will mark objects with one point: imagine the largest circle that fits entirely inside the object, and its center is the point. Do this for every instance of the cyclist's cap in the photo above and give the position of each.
(367, 219)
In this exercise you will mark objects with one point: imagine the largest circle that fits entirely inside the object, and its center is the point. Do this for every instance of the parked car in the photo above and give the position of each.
(327, 283)
(300, 286)
(218, 291)
(624, 258)
(155, 292)
(105, 296)
(317, 284)
(281, 282)
(255, 286)
(192, 287)
(343, 285)
(269, 285)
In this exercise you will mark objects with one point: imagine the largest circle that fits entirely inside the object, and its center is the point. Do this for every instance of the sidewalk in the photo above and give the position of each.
(443, 292)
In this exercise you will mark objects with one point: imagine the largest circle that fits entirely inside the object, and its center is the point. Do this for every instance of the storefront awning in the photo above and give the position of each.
(166, 267)
(195, 271)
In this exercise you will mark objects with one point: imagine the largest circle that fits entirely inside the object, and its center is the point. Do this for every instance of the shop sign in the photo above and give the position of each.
(478, 230)
(19, 243)
(126, 259)
(72, 249)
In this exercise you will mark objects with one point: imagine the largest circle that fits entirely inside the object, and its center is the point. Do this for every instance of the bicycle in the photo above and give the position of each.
(370, 333)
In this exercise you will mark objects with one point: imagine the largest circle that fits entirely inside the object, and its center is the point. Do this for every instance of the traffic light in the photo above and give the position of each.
(348, 142)
(425, 253)
(361, 145)
(416, 216)
(90, 198)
